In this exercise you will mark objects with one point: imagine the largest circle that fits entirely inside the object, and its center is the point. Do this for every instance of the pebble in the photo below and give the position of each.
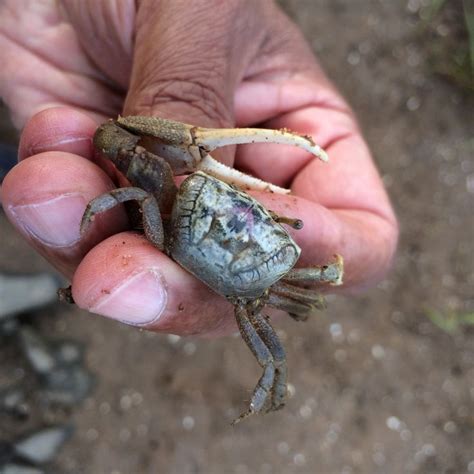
(64, 379)
(67, 385)
(299, 459)
(450, 427)
(188, 423)
(305, 412)
(12, 402)
(39, 356)
(42, 446)
(394, 423)
(13, 468)
(283, 448)
(413, 103)
(378, 352)
(20, 293)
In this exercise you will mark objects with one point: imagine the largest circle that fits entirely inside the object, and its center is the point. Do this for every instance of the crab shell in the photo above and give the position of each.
(227, 239)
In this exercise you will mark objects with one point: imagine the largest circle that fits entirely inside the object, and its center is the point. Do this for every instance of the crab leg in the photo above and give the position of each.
(267, 333)
(264, 358)
(331, 273)
(262, 341)
(291, 221)
(302, 295)
(297, 302)
(298, 310)
(152, 224)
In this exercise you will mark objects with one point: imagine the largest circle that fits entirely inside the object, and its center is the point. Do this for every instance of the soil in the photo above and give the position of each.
(376, 386)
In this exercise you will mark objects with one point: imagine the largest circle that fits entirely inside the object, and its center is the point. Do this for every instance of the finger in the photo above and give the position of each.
(264, 97)
(346, 209)
(289, 90)
(64, 129)
(45, 63)
(127, 279)
(45, 197)
(349, 180)
(58, 129)
(343, 203)
(280, 164)
(195, 85)
(323, 115)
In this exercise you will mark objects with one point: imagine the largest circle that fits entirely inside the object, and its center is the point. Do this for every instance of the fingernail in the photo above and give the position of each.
(54, 222)
(139, 300)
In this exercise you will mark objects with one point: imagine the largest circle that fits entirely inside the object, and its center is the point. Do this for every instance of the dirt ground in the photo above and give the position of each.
(376, 387)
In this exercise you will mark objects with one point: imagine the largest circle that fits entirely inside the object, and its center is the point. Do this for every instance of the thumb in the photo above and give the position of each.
(188, 59)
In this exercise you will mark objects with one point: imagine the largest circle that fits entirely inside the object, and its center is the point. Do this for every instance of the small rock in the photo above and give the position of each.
(68, 352)
(42, 446)
(7, 452)
(9, 327)
(13, 468)
(67, 385)
(12, 402)
(36, 350)
(64, 380)
(19, 293)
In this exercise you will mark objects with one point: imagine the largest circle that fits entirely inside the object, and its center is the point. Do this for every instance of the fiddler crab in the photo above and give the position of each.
(215, 230)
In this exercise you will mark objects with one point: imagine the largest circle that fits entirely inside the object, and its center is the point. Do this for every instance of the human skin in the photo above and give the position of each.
(67, 66)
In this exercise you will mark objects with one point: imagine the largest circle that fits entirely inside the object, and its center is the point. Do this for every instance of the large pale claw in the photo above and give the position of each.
(187, 147)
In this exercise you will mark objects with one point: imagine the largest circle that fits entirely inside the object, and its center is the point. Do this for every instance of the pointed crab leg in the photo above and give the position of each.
(332, 273)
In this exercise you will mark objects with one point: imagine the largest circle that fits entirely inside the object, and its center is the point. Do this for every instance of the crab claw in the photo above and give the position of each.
(186, 148)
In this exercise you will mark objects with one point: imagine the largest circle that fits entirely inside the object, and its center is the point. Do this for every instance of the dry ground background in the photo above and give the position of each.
(376, 386)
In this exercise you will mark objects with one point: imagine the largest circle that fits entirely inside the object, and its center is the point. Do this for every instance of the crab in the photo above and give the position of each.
(217, 231)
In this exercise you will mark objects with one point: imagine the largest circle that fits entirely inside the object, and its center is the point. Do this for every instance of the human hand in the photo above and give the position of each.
(71, 65)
